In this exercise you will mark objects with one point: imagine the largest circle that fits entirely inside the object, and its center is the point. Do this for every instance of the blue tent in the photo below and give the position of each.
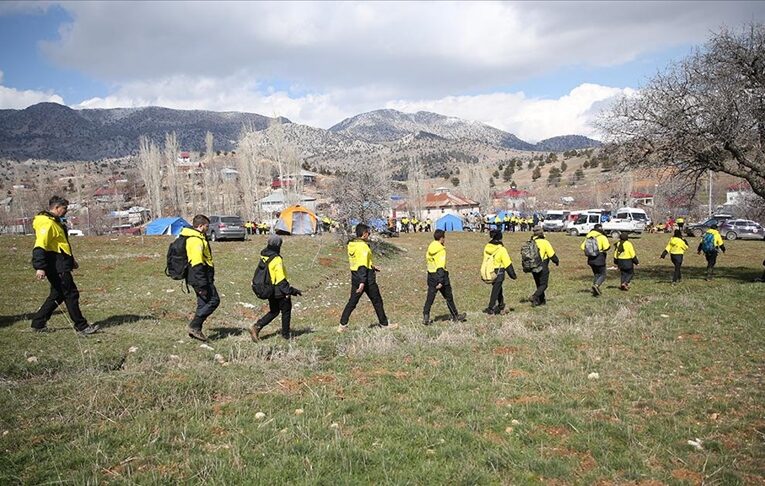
(449, 222)
(167, 226)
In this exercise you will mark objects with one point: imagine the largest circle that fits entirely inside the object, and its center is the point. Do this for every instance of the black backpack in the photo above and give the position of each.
(177, 261)
(261, 281)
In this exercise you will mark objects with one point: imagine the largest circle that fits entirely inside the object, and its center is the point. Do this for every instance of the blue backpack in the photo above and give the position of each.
(708, 243)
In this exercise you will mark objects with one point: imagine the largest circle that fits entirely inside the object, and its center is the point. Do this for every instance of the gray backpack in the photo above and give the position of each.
(591, 248)
(531, 260)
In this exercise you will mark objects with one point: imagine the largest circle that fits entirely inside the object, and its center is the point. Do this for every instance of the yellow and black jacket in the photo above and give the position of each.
(546, 251)
(201, 270)
(603, 246)
(718, 241)
(624, 255)
(502, 262)
(435, 258)
(360, 261)
(277, 272)
(676, 246)
(52, 251)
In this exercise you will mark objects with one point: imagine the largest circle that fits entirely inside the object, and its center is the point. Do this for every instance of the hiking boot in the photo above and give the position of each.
(197, 334)
(426, 319)
(43, 330)
(595, 290)
(488, 310)
(342, 328)
(460, 317)
(254, 332)
(89, 330)
(623, 287)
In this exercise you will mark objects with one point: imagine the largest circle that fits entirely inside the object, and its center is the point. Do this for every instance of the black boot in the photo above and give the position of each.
(426, 319)
(459, 317)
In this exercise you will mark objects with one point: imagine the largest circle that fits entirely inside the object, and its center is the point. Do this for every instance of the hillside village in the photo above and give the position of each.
(437, 165)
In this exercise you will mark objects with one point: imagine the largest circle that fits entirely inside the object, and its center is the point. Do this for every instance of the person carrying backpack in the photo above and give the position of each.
(710, 244)
(277, 289)
(496, 254)
(541, 277)
(595, 246)
(52, 258)
(363, 280)
(676, 249)
(625, 259)
(201, 274)
(438, 279)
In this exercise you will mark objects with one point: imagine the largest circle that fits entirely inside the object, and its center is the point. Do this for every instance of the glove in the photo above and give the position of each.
(294, 291)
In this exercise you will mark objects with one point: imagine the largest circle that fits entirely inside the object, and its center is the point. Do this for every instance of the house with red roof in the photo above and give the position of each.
(444, 201)
(107, 194)
(641, 199)
(514, 199)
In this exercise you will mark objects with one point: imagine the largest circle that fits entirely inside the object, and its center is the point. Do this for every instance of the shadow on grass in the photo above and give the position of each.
(121, 319)
(663, 273)
(224, 332)
(294, 333)
(6, 321)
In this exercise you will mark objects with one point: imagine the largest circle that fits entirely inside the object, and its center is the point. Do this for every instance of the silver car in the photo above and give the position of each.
(226, 228)
(744, 229)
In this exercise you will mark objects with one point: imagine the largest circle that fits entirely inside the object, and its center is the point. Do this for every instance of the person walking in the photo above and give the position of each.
(502, 265)
(680, 222)
(711, 243)
(438, 279)
(363, 280)
(625, 259)
(676, 248)
(201, 274)
(595, 246)
(541, 278)
(281, 301)
(52, 258)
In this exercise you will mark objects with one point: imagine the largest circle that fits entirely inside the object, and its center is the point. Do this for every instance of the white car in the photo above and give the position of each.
(75, 232)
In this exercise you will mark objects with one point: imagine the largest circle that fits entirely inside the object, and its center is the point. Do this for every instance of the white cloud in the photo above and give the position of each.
(531, 119)
(417, 48)
(11, 98)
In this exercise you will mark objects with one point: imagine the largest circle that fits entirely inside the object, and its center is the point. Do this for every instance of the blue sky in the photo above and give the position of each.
(534, 69)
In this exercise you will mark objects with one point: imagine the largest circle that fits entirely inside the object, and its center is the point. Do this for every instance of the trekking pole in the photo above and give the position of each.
(66, 316)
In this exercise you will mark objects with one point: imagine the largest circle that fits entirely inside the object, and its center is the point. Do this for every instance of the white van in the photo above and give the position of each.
(554, 220)
(585, 222)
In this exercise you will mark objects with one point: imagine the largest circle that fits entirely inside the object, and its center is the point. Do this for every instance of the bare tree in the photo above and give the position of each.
(171, 173)
(284, 155)
(211, 176)
(706, 112)
(416, 185)
(252, 169)
(149, 166)
(474, 183)
(363, 192)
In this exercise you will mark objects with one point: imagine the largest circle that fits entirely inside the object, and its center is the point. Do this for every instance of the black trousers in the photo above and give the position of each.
(281, 305)
(711, 262)
(599, 273)
(207, 301)
(496, 299)
(446, 291)
(627, 273)
(540, 279)
(677, 261)
(373, 292)
(62, 289)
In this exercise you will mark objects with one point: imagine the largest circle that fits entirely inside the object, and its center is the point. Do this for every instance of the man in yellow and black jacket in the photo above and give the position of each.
(503, 266)
(201, 274)
(597, 262)
(710, 251)
(52, 258)
(363, 279)
(542, 278)
(625, 259)
(280, 302)
(438, 279)
(676, 248)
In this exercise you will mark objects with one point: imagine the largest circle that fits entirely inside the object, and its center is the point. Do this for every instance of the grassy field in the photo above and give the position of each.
(585, 390)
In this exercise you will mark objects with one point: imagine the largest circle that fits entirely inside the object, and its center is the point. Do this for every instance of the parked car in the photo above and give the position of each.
(698, 229)
(744, 229)
(75, 232)
(226, 228)
(554, 220)
(625, 220)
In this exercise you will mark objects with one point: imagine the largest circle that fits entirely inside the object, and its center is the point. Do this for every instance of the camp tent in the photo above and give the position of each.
(167, 226)
(449, 222)
(296, 220)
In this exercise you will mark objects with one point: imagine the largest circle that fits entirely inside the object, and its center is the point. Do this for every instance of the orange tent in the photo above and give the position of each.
(296, 220)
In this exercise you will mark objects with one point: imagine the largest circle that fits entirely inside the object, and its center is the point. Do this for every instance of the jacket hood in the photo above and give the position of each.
(269, 251)
(492, 247)
(192, 232)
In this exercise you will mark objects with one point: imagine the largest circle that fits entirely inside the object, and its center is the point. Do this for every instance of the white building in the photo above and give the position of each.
(277, 201)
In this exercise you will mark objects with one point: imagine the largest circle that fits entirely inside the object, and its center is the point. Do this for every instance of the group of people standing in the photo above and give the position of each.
(508, 223)
(411, 225)
(52, 258)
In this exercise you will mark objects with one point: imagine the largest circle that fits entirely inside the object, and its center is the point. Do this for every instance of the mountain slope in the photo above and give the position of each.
(56, 132)
(566, 142)
(389, 125)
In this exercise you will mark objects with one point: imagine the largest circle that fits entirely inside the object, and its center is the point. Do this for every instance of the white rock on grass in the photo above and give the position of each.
(697, 444)
(219, 358)
(133, 349)
(260, 416)
(298, 411)
(593, 376)
(334, 425)
(32, 359)
(207, 347)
